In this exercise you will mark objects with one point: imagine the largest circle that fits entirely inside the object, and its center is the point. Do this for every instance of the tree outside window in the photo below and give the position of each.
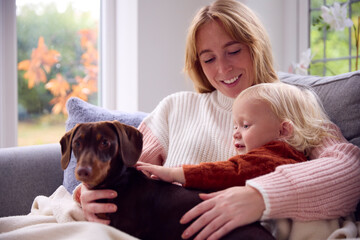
(57, 59)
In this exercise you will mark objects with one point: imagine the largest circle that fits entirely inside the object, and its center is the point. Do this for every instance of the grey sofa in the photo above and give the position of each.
(26, 172)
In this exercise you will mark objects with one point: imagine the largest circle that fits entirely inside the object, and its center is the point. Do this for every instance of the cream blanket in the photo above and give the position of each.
(342, 228)
(45, 216)
(59, 217)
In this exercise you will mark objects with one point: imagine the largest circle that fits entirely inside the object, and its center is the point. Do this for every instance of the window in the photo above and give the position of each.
(57, 49)
(334, 52)
(117, 18)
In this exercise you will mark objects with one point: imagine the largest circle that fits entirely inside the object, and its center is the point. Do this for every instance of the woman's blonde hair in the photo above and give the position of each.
(298, 105)
(243, 26)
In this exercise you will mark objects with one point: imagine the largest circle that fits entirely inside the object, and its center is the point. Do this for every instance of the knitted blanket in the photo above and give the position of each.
(56, 217)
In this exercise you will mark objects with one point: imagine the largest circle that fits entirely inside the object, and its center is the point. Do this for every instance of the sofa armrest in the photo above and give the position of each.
(26, 172)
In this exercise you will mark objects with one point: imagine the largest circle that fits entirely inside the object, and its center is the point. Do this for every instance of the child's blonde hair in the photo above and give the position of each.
(297, 105)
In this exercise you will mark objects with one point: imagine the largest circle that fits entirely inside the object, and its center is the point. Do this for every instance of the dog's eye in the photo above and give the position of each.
(76, 144)
(105, 143)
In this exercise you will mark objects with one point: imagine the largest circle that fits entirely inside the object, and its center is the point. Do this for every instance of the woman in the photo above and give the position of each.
(228, 51)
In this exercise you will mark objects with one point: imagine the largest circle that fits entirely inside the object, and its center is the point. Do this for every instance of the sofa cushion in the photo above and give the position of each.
(79, 112)
(340, 96)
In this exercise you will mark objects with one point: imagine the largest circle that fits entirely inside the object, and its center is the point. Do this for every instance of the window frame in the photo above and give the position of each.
(296, 31)
(8, 70)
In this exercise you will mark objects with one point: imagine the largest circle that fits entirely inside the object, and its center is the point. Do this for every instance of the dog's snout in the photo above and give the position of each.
(84, 172)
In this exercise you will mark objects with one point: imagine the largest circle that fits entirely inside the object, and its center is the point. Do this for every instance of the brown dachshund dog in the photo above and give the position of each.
(147, 208)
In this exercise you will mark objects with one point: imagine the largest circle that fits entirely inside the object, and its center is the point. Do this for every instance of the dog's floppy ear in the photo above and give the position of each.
(66, 148)
(130, 141)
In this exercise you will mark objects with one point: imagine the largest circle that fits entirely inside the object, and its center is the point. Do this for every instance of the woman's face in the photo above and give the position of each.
(226, 63)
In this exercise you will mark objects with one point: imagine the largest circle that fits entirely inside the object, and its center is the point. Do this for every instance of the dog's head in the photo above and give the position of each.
(100, 148)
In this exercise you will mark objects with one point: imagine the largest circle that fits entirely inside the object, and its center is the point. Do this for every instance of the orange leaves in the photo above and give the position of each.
(88, 37)
(40, 63)
(59, 105)
(84, 88)
(90, 56)
(58, 86)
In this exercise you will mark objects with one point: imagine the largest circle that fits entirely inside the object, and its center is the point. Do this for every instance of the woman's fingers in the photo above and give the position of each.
(201, 207)
(225, 229)
(213, 223)
(92, 195)
(206, 215)
(91, 208)
(223, 211)
(206, 196)
(92, 217)
(217, 228)
(94, 207)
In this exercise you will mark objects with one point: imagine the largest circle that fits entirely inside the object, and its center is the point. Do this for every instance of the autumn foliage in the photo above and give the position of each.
(40, 63)
(38, 68)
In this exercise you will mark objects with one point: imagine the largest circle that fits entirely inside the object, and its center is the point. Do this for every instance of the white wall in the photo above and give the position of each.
(162, 26)
(161, 47)
(270, 13)
(287, 24)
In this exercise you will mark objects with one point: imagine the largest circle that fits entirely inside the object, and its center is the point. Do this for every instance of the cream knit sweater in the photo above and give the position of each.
(189, 128)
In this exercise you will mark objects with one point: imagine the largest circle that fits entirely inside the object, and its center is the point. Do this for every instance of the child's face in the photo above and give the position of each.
(254, 124)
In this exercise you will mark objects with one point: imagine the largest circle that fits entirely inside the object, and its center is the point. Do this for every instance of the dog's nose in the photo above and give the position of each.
(84, 172)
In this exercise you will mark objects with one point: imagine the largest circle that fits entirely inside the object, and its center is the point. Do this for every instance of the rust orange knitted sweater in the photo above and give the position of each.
(235, 171)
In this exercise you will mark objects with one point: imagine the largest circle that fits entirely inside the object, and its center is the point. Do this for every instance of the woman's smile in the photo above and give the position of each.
(232, 81)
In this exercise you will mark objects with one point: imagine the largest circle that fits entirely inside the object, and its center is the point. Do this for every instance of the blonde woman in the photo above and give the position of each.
(228, 51)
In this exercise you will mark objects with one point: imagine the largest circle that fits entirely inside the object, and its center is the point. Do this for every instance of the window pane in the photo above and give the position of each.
(337, 67)
(337, 44)
(57, 59)
(330, 68)
(317, 37)
(317, 68)
(316, 3)
(331, 2)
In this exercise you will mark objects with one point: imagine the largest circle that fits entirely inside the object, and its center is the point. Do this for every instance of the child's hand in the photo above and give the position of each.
(163, 173)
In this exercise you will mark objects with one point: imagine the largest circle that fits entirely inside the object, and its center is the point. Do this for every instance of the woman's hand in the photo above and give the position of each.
(163, 173)
(91, 208)
(223, 211)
